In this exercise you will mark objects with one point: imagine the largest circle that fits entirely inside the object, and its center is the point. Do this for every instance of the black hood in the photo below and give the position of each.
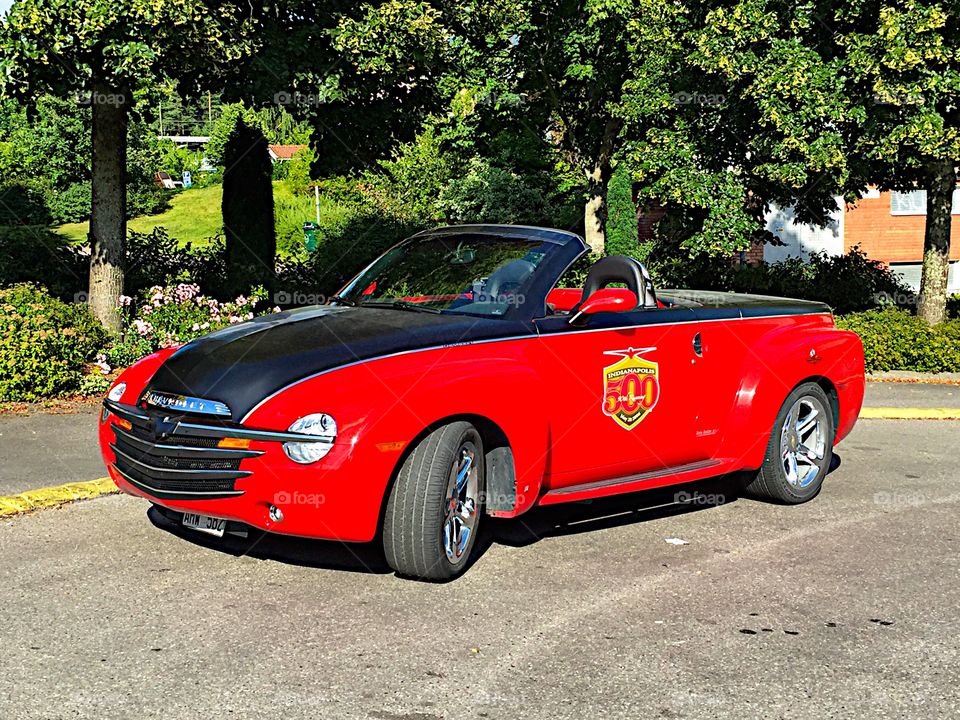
(242, 364)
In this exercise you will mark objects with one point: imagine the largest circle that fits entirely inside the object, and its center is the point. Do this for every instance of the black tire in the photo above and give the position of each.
(419, 509)
(774, 481)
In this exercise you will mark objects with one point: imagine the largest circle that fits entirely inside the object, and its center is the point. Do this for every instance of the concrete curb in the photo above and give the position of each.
(53, 496)
(893, 413)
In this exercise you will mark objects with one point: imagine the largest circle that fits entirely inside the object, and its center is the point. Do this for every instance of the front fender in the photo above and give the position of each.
(382, 406)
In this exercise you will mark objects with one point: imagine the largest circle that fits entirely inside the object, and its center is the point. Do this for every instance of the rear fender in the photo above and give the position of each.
(829, 356)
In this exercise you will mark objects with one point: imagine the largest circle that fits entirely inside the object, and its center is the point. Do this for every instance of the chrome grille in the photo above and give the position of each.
(152, 456)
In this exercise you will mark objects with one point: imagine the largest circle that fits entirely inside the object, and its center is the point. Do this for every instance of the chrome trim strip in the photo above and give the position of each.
(133, 414)
(195, 430)
(160, 493)
(127, 412)
(196, 474)
(638, 477)
(186, 404)
(187, 450)
(532, 336)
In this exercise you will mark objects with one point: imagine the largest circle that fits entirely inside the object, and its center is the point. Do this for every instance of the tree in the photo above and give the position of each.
(622, 232)
(730, 107)
(248, 221)
(572, 60)
(104, 52)
(903, 59)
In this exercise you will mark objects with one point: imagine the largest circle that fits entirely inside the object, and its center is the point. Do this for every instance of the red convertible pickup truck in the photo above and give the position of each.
(452, 379)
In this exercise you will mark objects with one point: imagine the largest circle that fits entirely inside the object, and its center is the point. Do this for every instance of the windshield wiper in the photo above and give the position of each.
(341, 301)
(403, 305)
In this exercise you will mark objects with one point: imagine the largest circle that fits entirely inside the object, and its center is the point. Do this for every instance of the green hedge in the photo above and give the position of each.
(896, 340)
(45, 344)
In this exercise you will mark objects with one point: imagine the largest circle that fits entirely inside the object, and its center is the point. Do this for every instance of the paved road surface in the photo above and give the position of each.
(41, 449)
(844, 607)
(919, 395)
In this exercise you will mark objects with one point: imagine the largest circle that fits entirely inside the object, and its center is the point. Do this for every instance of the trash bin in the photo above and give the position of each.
(310, 230)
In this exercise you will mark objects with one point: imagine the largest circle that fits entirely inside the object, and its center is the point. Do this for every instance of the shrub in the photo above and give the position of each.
(290, 212)
(33, 254)
(622, 231)
(23, 203)
(487, 193)
(143, 199)
(71, 204)
(893, 339)
(953, 306)
(171, 315)
(848, 283)
(349, 243)
(297, 171)
(44, 344)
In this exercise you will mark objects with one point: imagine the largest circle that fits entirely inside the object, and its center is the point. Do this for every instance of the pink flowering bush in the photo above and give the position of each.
(172, 315)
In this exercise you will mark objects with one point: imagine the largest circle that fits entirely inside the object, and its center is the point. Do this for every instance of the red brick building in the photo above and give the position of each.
(888, 226)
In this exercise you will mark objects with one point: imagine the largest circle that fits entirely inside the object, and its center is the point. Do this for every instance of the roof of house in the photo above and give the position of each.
(285, 152)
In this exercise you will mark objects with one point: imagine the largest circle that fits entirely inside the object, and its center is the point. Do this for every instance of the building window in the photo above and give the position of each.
(915, 202)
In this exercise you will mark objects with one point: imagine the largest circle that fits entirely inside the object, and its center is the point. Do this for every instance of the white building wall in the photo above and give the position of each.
(801, 240)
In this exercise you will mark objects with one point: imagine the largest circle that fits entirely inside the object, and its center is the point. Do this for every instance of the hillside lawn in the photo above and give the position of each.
(194, 217)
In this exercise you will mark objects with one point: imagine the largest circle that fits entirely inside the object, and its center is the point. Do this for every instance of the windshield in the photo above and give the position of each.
(471, 274)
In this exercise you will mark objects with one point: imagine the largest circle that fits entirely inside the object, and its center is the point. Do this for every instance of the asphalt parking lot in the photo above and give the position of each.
(844, 607)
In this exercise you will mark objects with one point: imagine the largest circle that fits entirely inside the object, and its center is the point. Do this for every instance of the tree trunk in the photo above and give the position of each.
(595, 208)
(936, 243)
(248, 218)
(108, 223)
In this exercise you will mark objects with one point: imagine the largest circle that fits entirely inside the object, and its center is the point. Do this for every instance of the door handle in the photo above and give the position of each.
(698, 345)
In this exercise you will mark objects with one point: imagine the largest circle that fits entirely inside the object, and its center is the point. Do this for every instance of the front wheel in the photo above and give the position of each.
(434, 509)
(800, 448)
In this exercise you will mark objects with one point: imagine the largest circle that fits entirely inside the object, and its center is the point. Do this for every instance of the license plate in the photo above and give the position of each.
(205, 524)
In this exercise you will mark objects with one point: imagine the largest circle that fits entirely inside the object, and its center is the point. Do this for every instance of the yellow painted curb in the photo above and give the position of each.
(892, 413)
(53, 496)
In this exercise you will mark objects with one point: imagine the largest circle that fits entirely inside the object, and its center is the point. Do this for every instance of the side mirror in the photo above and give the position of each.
(607, 301)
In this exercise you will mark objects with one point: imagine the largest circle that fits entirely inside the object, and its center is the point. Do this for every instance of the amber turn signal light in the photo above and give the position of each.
(125, 424)
(234, 443)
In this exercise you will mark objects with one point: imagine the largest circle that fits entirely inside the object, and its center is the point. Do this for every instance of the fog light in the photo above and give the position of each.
(276, 514)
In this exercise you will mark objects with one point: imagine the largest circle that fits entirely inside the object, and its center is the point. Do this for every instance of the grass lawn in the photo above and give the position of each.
(194, 216)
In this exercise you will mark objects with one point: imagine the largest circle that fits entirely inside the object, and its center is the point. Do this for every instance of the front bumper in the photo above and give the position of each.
(176, 463)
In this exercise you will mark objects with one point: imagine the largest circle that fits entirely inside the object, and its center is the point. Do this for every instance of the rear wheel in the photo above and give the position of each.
(434, 509)
(800, 448)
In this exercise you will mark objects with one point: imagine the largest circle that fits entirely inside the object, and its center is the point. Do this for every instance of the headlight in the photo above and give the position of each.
(116, 392)
(310, 452)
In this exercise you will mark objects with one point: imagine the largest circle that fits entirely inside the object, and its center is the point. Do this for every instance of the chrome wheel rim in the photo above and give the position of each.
(803, 442)
(461, 507)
